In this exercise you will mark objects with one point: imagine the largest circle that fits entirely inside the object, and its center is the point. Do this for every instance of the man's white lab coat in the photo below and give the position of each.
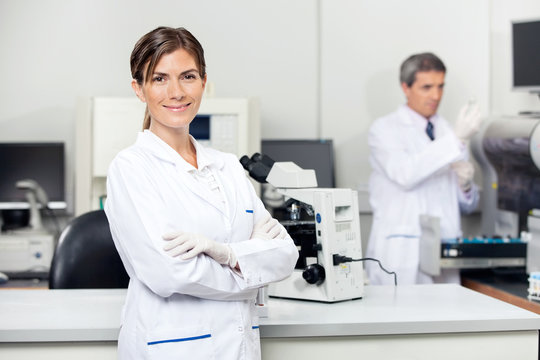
(411, 176)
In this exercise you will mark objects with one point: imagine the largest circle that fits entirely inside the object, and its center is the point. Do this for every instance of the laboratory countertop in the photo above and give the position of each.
(510, 285)
(20, 284)
(94, 315)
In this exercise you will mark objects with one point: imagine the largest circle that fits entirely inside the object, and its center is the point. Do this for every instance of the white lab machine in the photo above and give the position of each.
(28, 250)
(508, 151)
(321, 273)
(106, 125)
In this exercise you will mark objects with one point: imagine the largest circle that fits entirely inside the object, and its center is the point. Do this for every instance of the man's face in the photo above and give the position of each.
(425, 94)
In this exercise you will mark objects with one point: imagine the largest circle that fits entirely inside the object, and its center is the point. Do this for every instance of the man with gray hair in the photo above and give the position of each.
(420, 166)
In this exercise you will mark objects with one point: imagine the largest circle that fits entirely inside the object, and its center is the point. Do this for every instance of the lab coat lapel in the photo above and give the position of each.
(411, 132)
(215, 164)
(200, 189)
(163, 151)
(231, 196)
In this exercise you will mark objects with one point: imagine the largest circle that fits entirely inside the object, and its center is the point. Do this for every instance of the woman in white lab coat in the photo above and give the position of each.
(414, 174)
(195, 239)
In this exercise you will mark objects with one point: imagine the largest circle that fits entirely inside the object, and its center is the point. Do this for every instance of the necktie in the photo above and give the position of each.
(429, 130)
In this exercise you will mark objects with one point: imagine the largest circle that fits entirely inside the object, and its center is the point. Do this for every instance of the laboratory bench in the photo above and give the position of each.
(19, 284)
(506, 284)
(443, 321)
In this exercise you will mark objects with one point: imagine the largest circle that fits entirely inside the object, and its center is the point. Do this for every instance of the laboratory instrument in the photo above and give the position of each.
(507, 150)
(106, 125)
(28, 251)
(526, 56)
(42, 162)
(324, 224)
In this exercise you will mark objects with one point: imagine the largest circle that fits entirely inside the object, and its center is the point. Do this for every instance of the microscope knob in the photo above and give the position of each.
(314, 274)
(317, 247)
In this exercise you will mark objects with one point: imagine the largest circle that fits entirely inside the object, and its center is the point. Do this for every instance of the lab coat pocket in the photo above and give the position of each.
(255, 324)
(180, 343)
(254, 337)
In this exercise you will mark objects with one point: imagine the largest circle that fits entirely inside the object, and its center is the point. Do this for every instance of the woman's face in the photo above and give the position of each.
(173, 92)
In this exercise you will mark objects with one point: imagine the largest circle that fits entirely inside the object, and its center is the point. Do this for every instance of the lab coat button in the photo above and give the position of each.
(240, 329)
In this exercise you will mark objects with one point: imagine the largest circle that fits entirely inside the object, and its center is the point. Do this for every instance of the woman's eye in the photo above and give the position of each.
(189, 77)
(158, 79)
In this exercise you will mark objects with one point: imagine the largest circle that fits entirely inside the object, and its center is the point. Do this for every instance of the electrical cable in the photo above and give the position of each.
(338, 259)
(55, 221)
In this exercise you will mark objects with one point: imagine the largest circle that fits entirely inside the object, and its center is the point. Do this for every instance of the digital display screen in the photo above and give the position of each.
(526, 54)
(41, 162)
(308, 154)
(200, 127)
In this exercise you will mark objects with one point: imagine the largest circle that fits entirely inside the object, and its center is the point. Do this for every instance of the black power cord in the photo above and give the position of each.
(339, 259)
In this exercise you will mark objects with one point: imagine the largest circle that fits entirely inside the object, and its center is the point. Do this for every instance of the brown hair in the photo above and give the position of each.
(158, 42)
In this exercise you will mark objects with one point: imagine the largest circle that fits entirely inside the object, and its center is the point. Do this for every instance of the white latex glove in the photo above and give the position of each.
(190, 245)
(468, 122)
(268, 228)
(465, 172)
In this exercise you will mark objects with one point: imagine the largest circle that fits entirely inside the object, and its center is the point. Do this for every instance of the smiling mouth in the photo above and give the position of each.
(177, 107)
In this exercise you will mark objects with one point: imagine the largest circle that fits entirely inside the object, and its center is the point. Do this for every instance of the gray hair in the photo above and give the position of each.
(419, 62)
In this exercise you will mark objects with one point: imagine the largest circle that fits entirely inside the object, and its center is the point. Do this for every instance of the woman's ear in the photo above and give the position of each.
(138, 90)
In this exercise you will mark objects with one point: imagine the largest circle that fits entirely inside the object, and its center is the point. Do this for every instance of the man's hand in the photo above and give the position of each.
(468, 122)
(190, 245)
(465, 172)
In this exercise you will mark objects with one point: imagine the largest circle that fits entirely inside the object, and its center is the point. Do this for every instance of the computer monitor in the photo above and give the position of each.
(308, 154)
(526, 55)
(42, 162)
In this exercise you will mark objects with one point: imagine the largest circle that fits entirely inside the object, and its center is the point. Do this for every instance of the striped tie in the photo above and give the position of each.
(429, 130)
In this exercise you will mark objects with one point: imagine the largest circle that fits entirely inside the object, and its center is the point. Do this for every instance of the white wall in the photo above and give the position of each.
(321, 68)
(55, 51)
(363, 46)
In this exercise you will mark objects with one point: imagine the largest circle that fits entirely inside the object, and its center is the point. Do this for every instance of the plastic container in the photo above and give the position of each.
(534, 286)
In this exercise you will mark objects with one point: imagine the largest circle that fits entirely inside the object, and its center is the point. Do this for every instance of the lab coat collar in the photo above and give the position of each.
(204, 159)
(163, 151)
(412, 117)
(159, 148)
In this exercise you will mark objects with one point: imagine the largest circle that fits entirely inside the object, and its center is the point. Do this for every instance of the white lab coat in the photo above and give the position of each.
(411, 175)
(197, 308)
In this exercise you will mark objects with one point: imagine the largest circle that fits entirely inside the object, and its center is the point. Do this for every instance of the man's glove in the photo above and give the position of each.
(468, 122)
(268, 228)
(190, 245)
(465, 172)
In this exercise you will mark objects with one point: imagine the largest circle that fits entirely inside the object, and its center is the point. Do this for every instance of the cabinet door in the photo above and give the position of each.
(116, 122)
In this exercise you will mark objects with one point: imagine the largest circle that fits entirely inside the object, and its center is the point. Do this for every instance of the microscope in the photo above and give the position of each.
(327, 240)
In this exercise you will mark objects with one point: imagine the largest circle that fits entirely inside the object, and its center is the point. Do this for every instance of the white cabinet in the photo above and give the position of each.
(106, 125)
(115, 124)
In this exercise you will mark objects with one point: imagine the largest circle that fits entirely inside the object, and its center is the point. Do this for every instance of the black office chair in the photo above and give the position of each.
(86, 257)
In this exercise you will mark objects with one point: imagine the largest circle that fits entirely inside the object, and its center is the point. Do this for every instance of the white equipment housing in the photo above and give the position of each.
(26, 251)
(337, 232)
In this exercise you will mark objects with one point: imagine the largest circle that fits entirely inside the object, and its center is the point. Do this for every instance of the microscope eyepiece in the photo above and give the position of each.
(258, 166)
(246, 162)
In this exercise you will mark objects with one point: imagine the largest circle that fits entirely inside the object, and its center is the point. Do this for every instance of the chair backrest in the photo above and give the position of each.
(86, 257)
